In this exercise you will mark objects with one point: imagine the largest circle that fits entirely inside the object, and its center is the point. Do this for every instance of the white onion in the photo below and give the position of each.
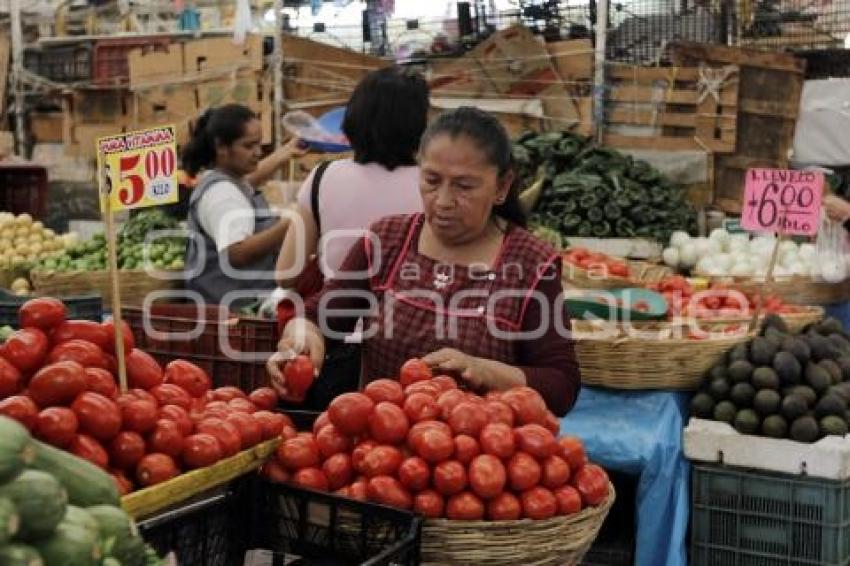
(671, 256)
(679, 238)
(688, 255)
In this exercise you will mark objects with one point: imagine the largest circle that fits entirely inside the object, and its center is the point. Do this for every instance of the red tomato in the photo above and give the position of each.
(487, 476)
(288, 432)
(156, 468)
(426, 387)
(421, 407)
(536, 440)
(142, 394)
(388, 423)
(552, 423)
(299, 374)
(444, 382)
(20, 408)
(250, 431)
(359, 454)
(273, 471)
(414, 370)
(527, 404)
(98, 380)
(449, 477)
(499, 412)
(126, 449)
(123, 484)
(10, 379)
(569, 500)
(387, 490)
(165, 438)
(381, 460)
(56, 426)
(170, 394)
(89, 449)
(25, 349)
(322, 420)
(350, 413)
(464, 507)
(338, 470)
(448, 400)
(228, 436)
(173, 413)
(87, 330)
(538, 503)
(498, 439)
(572, 450)
(42, 312)
(330, 441)
(242, 406)
(421, 427)
(83, 352)
(357, 490)
(414, 474)
(467, 418)
(99, 417)
(138, 415)
(227, 393)
(142, 370)
(216, 409)
(299, 452)
(429, 504)
(523, 472)
(433, 445)
(385, 390)
(556, 472)
(264, 398)
(271, 423)
(591, 481)
(466, 448)
(110, 364)
(310, 478)
(187, 376)
(504, 507)
(126, 337)
(200, 450)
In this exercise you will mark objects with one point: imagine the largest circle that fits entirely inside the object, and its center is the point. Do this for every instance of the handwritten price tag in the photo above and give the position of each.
(138, 169)
(782, 201)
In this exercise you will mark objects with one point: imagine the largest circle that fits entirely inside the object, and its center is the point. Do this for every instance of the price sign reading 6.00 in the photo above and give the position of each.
(138, 169)
(782, 201)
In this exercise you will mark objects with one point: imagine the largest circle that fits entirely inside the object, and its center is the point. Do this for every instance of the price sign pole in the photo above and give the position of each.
(137, 169)
(782, 202)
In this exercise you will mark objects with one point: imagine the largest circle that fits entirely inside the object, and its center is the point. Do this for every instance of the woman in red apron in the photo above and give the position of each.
(463, 286)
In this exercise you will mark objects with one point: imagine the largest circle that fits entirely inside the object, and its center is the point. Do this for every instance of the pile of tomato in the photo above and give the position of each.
(58, 378)
(597, 262)
(424, 444)
(720, 302)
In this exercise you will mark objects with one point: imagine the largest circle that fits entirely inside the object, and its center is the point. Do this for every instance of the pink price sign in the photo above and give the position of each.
(782, 201)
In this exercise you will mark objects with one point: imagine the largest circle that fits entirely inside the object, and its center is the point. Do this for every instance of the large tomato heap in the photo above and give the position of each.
(58, 378)
(421, 443)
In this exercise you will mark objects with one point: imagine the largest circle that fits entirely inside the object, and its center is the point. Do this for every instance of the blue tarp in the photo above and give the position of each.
(640, 433)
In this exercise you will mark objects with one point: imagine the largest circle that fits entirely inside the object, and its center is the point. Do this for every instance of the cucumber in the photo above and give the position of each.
(10, 521)
(69, 545)
(131, 551)
(86, 483)
(19, 555)
(16, 451)
(112, 521)
(41, 501)
(81, 517)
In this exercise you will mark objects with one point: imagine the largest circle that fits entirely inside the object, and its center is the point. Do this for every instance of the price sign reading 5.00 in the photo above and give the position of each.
(782, 201)
(138, 169)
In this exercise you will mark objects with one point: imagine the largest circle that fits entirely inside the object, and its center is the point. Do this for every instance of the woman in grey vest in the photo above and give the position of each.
(234, 237)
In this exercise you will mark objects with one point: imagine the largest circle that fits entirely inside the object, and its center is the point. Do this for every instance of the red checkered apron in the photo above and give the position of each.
(424, 305)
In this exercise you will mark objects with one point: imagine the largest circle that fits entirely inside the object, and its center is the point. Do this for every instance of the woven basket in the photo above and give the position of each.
(795, 290)
(134, 284)
(643, 273)
(795, 321)
(561, 540)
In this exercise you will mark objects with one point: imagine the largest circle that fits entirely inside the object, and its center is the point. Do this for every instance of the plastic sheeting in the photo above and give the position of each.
(821, 133)
(640, 433)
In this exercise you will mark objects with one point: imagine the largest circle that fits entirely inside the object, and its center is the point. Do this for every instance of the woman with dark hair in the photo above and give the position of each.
(234, 235)
(463, 285)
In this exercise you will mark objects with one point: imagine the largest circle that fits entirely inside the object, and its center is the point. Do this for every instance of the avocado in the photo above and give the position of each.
(719, 389)
(739, 352)
(787, 368)
(718, 371)
(822, 348)
(842, 390)
(805, 429)
(829, 325)
(832, 425)
(725, 411)
(798, 347)
(807, 393)
(702, 406)
(766, 402)
(793, 406)
(774, 426)
(762, 351)
(740, 370)
(765, 378)
(817, 377)
(746, 421)
(775, 339)
(773, 322)
(840, 343)
(742, 395)
(833, 369)
(830, 404)
(844, 363)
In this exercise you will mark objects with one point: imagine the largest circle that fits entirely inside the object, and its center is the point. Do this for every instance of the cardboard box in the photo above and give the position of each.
(517, 116)
(82, 138)
(241, 89)
(462, 77)
(155, 67)
(7, 144)
(96, 106)
(47, 127)
(221, 54)
(573, 59)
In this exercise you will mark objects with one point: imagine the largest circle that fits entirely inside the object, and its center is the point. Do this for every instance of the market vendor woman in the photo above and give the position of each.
(463, 286)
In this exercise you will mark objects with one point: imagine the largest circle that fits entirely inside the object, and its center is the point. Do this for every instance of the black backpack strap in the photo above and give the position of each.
(314, 193)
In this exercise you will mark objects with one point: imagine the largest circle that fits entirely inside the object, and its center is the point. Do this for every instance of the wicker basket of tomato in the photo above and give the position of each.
(593, 270)
(488, 474)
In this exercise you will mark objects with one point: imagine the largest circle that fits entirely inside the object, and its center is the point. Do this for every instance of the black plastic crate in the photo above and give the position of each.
(80, 307)
(321, 528)
(23, 188)
(64, 64)
(615, 545)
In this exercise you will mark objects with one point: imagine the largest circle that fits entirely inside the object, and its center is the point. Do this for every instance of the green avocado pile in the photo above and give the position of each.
(782, 385)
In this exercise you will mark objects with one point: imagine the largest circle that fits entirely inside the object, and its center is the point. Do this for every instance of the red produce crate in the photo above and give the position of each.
(23, 188)
(204, 337)
(109, 57)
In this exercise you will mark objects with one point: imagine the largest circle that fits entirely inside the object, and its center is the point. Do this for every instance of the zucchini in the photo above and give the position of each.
(70, 545)
(16, 451)
(19, 555)
(78, 516)
(112, 521)
(131, 551)
(86, 483)
(10, 521)
(41, 501)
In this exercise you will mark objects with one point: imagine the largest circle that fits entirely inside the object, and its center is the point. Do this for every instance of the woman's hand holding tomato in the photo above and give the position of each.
(299, 338)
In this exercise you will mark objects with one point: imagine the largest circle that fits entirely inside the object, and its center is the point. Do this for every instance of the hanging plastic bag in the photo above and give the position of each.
(309, 129)
(831, 251)
(241, 21)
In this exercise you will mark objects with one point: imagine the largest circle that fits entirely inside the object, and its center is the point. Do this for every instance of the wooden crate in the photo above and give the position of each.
(671, 109)
(770, 85)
